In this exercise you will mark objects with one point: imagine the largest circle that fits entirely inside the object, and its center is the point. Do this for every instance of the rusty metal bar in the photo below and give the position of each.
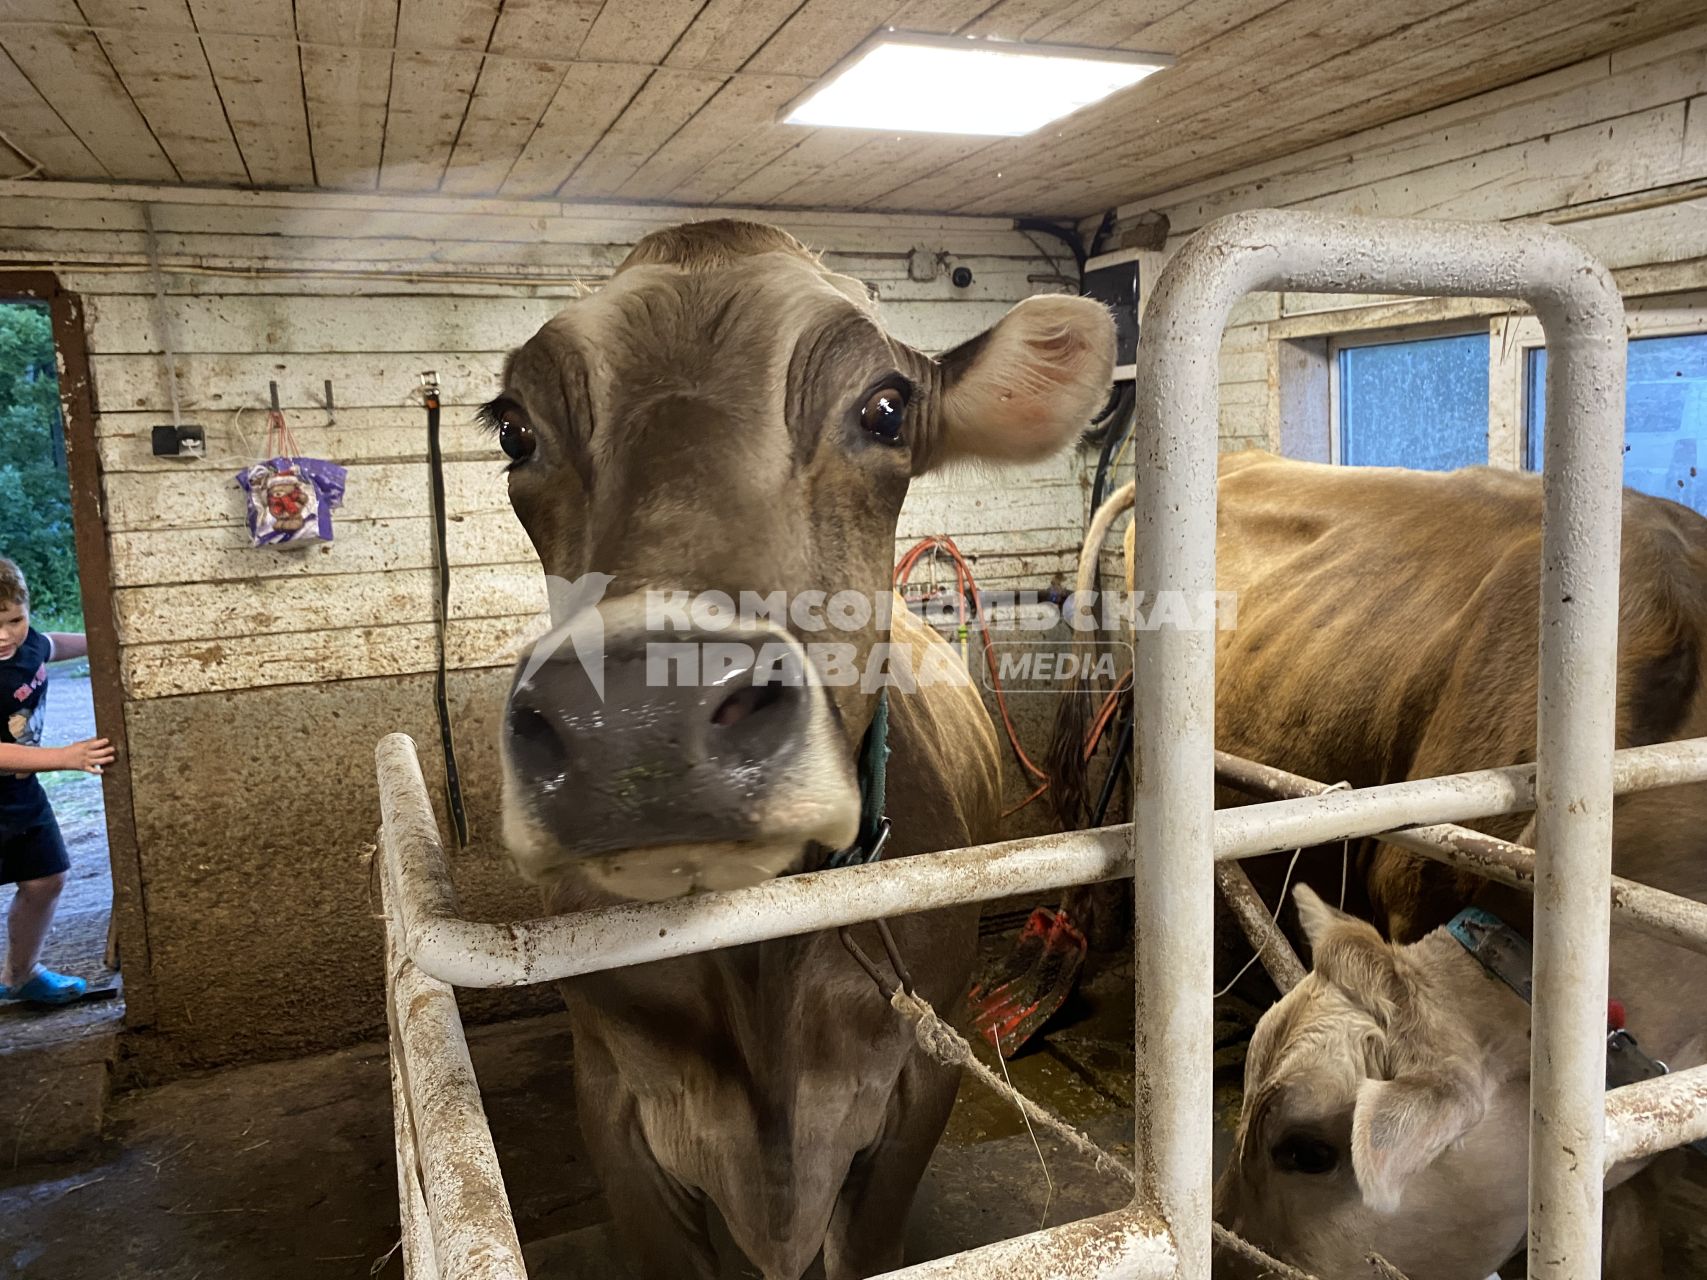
(1669, 917)
(1655, 1115)
(470, 953)
(447, 1165)
(1256, 919)
(416, 1243)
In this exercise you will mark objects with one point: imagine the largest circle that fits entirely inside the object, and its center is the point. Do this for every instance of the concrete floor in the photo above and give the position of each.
(284, 1171)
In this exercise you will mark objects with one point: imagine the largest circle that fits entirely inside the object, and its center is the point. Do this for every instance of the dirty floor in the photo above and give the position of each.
(284, 1171)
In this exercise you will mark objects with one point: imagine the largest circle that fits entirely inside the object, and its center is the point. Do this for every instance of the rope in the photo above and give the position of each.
(944, 1044)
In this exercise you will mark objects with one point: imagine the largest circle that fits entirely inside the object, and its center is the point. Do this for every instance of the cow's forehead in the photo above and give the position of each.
(769, 287)
(1314, 1035)
(737, 320)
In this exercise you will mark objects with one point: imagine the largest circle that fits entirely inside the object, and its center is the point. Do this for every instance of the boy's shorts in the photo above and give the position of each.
(32, 853)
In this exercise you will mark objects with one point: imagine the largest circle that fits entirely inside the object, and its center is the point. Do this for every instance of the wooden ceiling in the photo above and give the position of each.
(676, 100)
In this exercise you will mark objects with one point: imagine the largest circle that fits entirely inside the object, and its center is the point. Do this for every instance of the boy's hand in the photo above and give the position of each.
(89, 756)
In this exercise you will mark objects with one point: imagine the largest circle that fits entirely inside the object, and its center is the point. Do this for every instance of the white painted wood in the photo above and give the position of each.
(588, 101)
(166, 555)
(36, 127)
(222, 381)
(429, 93)
(203, 610)
(1610, 148)
(281, 325)
(70, 70)
(259, 80)
(346, 77)
(281, 606)
(664, 105)
(166, 75)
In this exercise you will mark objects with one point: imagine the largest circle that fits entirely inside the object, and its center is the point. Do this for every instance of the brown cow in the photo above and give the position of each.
(1387, 629)
(728, 415)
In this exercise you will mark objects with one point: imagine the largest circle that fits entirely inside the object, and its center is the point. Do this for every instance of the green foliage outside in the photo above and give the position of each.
(35, 501)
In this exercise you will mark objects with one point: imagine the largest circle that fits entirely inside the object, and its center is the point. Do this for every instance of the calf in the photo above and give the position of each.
(1387, 1107)
(727, 415)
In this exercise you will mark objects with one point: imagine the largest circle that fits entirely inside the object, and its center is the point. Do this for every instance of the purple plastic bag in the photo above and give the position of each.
(291, 500)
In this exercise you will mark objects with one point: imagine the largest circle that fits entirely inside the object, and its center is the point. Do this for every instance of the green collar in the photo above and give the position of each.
(873, 782)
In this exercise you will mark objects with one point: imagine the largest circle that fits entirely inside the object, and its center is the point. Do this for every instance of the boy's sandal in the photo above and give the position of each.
(47, 987)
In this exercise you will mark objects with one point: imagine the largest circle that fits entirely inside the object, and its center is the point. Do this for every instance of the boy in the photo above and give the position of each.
(32, 855)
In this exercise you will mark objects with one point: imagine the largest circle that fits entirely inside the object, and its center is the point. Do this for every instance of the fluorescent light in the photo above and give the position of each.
(907, 83)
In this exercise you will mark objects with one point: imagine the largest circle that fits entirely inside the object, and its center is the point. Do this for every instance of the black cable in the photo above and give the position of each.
(1116, 766)
(1065, 235)
(1113, 436)
(441, 562)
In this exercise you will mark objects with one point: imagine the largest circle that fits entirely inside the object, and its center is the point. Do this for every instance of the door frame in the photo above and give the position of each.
(129, 935)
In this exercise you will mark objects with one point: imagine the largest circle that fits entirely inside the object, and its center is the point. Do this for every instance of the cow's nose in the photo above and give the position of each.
(681, 744)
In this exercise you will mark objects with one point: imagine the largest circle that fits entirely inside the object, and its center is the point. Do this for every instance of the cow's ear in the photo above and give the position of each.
(1400, 1127)
(1026, 388)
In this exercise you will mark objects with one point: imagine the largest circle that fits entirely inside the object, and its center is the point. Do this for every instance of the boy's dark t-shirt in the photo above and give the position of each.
(23, 702)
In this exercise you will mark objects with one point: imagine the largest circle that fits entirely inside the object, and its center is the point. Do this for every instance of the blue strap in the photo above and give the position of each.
(873, 786)
(1506, 954)
(1501, 950)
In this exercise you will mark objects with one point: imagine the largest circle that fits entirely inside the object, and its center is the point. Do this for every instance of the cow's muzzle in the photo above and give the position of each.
(659, 764)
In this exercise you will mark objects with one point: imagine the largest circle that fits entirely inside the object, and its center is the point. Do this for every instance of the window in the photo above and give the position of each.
(1421, 404)
(1665, 416)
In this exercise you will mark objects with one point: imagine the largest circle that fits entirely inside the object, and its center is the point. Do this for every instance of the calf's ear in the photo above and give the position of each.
(1026, 388)
(1400, 1127)
(1316, 916)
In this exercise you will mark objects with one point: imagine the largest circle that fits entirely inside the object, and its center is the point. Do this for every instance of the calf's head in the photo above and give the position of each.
(1385, 1110)
(727, 423)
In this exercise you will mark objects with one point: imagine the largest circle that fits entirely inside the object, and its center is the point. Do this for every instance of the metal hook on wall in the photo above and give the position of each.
(330, 405)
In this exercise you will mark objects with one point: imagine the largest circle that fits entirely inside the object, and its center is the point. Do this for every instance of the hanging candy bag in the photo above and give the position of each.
(290, 498)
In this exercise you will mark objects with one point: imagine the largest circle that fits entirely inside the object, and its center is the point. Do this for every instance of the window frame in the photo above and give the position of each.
(1508, 375)
(1304, 405)
(1392, 335)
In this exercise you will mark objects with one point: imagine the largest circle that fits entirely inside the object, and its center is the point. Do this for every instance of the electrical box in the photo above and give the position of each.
(179, 442)
(1116, 287)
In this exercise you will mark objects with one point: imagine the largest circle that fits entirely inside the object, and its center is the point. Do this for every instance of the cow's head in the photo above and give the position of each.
(1385, 1110)
(728, 416)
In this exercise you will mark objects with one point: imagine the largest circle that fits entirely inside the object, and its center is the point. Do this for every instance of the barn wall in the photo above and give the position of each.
(257, 682)
(1613, 150)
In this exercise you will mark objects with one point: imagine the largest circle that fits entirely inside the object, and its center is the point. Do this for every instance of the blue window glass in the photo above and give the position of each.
(1665, 416)
(1420, 404)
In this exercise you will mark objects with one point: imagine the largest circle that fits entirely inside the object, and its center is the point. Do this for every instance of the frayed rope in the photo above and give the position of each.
(942, 1043)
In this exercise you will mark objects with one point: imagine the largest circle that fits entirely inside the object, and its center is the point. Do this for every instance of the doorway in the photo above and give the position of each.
(51, 526)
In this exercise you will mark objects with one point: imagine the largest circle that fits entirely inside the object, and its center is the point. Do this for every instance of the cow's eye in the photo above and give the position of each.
(515, 434)
(1304, 1153)
(884, 413)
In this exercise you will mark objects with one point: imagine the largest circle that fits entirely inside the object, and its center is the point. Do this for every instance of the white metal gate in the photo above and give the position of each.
(456, 1223)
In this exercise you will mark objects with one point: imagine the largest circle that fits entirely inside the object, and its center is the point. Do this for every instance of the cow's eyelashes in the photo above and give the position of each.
(884, 412)
(1305, 1153)
(506, 420)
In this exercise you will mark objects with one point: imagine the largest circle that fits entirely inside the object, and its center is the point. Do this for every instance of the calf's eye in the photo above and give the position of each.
(515, 434)
(884, 413)
(1302, 1153)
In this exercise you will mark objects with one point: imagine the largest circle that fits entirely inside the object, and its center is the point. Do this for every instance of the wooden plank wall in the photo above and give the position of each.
(252, 674)
(201, 611)
(1613, 149)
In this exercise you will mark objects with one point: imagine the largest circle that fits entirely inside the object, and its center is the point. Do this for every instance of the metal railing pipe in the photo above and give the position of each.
(1176, 437)
(471, 953)
(1656, 1115)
